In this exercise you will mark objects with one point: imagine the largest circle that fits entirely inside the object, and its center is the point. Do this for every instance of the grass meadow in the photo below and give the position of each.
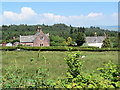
(54, 61)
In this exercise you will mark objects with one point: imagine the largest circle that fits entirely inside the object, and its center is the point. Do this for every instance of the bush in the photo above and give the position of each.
(20, 45)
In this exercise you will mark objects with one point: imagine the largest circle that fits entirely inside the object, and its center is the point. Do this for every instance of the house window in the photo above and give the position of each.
(41, 44)
(41, 38)
(29, 45)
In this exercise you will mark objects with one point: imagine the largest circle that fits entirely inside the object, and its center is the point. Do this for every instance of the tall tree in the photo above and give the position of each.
(75, 31)
(81, 29)
(80, 38)
(71, 29)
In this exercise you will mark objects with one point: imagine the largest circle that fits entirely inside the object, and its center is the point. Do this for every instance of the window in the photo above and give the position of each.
(29, 45)
(41, 38)
(41, 44)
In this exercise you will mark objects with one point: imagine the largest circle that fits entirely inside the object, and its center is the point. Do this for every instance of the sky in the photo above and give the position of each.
(70, 13)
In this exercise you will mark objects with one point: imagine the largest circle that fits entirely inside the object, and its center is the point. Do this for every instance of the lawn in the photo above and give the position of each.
(54, 61)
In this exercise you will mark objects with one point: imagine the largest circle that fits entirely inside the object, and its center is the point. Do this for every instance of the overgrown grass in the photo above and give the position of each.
(54, 61)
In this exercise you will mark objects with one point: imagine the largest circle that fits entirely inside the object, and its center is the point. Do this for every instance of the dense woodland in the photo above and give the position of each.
(58, 32)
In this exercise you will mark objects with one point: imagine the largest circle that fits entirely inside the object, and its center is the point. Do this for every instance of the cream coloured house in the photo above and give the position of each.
(96, 41)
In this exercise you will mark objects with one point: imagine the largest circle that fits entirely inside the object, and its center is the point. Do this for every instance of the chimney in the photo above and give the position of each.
(13, 38)
(95, 34)
(39, 29)
(104, 34)
(95, 37)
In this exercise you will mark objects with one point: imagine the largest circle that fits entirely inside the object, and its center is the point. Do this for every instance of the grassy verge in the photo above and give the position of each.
(54, 61)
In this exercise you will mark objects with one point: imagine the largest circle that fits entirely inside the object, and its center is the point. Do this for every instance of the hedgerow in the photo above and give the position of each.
(59, 48)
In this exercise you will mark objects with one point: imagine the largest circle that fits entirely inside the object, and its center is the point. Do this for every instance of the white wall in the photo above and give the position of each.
(8, 44)
(95, 44)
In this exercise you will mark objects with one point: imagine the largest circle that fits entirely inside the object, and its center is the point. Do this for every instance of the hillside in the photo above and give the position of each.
(61, 30)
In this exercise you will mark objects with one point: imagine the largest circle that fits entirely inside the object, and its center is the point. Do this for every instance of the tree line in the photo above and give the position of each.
(62, 30)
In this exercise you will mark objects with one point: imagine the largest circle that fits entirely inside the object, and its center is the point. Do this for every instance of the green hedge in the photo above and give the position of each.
(59, 48)
(8, 48)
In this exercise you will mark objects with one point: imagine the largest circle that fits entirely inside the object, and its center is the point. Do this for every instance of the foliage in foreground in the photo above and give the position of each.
(106, 77)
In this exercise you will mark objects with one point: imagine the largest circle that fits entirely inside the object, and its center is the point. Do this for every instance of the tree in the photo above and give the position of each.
(80, 39)
(56, 39)
(114, 41)
(71, 30)
(78, 29)
(75, 31)
(69, 41)
(81, 29)
(64, 42)
(106, 43)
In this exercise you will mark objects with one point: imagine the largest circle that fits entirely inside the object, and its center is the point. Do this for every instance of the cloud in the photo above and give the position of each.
(115, 14)
(26, 15)
(48, 17)
(94, 14)
(29, 16)
(10, 15)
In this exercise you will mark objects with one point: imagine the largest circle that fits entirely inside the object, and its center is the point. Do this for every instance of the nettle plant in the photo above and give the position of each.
(111, 73)
(75, 63)
(107, 77)
(16, 77)
(75, 76)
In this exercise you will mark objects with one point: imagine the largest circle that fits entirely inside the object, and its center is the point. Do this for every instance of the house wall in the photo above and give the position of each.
(45, 41)
(95, 44)
(27, 44)
(8, 44)
(4, 44)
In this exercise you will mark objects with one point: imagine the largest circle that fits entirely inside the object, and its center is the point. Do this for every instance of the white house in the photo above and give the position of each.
(96, 40)
(9, 44)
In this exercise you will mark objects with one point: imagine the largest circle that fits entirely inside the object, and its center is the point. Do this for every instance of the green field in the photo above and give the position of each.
(54, 61)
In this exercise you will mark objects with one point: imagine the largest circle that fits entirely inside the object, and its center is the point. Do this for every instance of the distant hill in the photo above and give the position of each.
(111, 28)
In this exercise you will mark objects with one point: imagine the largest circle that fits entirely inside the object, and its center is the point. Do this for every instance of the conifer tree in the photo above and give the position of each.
(106, 43)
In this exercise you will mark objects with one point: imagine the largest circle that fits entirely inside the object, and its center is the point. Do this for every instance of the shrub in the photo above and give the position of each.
(20, 45)
(106, 43)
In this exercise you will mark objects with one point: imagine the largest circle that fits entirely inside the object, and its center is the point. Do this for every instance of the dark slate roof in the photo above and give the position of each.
(98, 39)
(30, 38)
